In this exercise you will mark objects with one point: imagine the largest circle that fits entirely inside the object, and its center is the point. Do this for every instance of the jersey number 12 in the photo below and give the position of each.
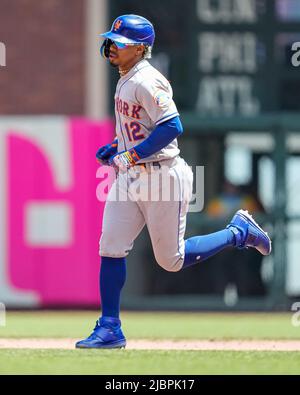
(133, 131)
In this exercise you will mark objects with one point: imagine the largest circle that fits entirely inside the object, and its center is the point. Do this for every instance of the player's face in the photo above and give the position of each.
(125, 57)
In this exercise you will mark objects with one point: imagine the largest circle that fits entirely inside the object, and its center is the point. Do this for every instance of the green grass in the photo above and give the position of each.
(154, 325)
(147, 362)
(49, 324)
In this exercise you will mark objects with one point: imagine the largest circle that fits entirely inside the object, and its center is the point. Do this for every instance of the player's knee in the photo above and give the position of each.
(109, 246)
(170, 263)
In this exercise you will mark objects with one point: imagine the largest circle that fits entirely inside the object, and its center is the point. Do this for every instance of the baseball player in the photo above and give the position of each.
(147, 127)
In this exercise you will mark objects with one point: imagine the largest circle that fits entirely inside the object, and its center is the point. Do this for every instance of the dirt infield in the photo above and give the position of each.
(235, 345)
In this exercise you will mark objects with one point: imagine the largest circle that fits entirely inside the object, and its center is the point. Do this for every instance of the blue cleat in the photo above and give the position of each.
(248, 233)
(106, 334)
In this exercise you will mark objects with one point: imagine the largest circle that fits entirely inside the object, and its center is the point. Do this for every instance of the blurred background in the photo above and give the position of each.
(238, 93)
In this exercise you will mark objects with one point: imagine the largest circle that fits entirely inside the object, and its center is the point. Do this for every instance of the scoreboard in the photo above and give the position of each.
(225, 57)
(232, 57)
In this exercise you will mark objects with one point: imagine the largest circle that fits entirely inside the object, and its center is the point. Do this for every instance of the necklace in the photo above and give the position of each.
(123, 72)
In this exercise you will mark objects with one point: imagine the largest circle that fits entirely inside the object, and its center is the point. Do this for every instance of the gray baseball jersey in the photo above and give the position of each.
(143, 100)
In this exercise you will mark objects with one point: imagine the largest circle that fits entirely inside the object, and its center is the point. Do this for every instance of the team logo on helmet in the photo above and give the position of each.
(118, 24)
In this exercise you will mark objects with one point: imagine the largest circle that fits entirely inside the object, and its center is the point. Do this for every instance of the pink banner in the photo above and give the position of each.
(54, 218)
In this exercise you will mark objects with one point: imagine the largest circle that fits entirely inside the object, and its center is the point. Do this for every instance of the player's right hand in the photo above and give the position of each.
(106, 152)
(124, 160)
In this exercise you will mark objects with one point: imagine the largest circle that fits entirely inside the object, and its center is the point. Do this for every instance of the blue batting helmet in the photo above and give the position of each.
(131, 29)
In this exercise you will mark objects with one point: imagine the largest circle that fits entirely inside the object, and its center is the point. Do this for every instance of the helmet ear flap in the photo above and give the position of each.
(104, 50)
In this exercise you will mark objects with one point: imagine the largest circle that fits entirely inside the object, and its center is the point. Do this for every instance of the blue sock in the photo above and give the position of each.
(199, 248)
(112, 279)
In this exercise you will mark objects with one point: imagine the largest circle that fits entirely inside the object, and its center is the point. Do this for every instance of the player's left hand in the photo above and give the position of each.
(104, 153)
(124, 160)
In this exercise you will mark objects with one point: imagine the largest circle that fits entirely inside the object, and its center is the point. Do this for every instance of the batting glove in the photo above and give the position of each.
(124, 160)
(104, 153)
